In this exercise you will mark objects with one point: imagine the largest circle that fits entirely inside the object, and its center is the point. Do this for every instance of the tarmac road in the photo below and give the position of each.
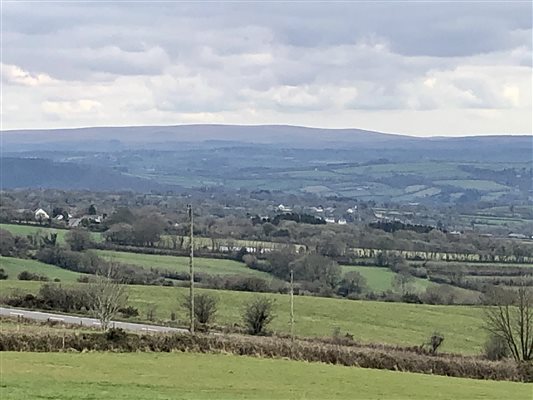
(83, 321)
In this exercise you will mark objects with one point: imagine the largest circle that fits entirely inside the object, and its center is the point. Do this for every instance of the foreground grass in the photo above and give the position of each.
(211, 266)
(368, 321)
(208, 376)
(14, 266)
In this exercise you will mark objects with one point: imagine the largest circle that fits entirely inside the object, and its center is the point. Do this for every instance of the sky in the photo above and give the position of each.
(417, 68)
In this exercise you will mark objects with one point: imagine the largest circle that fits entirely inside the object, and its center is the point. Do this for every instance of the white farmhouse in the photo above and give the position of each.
(40, 215)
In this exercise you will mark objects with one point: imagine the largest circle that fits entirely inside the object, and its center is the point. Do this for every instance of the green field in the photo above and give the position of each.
(379, 279)
(477, 184)
(211, 266)
(25, 230)
(368, 321)
(218, 376)
(14, 266)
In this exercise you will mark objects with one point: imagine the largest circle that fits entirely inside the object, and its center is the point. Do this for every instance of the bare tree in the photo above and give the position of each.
(511, 319)
(106, 297)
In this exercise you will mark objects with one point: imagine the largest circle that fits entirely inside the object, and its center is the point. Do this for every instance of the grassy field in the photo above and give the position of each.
(380, 279)
(218, 376)
(14, 266)
(25, 230)
(368, 321)
(477, 184)
(210, 266)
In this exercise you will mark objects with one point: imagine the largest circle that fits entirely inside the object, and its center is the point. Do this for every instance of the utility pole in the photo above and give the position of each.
(191, 268)
(292, 304)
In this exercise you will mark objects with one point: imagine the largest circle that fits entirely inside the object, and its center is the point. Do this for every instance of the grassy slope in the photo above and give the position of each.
(14, 266)
(208, 376)
(210, 266)
(369, 321)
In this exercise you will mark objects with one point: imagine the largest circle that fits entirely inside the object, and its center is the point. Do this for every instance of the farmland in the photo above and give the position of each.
(380, 279)
(14, 266)
(368, 321)
(181, 264)
(205, 376)
(26, 230)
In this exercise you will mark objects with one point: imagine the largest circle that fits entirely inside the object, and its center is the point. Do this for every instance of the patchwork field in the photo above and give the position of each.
(144, 376)
(368, 321)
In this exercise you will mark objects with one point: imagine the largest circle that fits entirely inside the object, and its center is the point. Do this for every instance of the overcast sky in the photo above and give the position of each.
(416, 68)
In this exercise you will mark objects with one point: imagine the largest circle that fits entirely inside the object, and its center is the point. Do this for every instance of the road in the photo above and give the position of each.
(83, 321)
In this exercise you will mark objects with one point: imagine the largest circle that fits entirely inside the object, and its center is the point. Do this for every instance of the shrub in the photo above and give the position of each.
(434, 342)
(258, 314)
(411, 298)
(116, 335)
(352, 283)
(3, 274)
(78, 239)
(250, 260)
(205, 307)
(30, 276)
(129, 311)
(496, 348)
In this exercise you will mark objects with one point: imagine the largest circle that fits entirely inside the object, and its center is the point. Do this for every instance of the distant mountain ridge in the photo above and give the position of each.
(161, 158)
(155, 137)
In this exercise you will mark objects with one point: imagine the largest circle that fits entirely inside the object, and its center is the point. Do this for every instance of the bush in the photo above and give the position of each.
(116, 335)
(352, 283)
(3, 274)
(78, 240)
(496, 348)
(30, 276)
(434, 342)
(205, 307)
(411, 298)
(258, 314)
(129, 311)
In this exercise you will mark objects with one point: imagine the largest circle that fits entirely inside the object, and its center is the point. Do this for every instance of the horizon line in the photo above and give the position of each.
(266, 125)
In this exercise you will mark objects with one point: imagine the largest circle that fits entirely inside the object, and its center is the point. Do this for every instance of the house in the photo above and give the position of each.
(40, 215)
(330, 220)
(283, 208)
(342, 221)
(351, 210)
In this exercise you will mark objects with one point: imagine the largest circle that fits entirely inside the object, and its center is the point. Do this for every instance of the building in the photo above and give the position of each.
(41, 215)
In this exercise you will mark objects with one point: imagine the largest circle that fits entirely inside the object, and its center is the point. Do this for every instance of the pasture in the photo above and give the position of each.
(14, 266)
(211, 266)
(143, 376)
(26, 230)
(379, 279)
(367, 321)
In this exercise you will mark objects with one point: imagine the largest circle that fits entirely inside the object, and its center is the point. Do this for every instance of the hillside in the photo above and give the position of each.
(41, 173)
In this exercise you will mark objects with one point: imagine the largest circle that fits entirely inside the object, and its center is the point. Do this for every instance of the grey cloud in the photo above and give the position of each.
(282, 57)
